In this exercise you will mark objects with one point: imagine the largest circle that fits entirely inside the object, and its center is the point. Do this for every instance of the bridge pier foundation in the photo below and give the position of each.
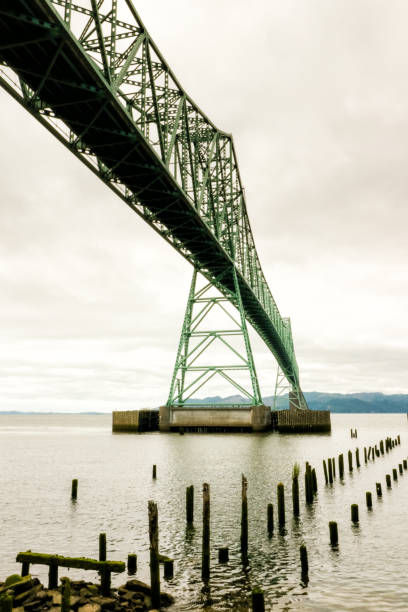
(215, 418)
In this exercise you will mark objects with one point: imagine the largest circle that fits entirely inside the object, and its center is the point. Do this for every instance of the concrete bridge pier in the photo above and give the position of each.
(215, 418)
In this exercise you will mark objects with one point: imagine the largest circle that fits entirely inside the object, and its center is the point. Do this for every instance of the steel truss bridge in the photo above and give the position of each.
(89, 72)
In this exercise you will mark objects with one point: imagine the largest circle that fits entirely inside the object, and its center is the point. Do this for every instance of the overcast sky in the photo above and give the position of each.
(315, 94)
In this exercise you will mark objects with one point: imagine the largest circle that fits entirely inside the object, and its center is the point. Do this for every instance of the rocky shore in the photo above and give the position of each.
(27, 594)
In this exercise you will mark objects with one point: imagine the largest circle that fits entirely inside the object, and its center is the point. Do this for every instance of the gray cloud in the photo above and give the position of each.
(316, 96)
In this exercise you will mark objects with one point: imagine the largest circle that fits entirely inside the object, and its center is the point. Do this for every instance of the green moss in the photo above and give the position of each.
(12, 579)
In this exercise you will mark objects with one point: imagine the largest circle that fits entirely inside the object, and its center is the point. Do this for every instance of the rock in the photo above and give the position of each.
(137, 585)
(27, 596)
(106, 603)
(90, 607)
(56, 597)
(92, 587)
(127, 595)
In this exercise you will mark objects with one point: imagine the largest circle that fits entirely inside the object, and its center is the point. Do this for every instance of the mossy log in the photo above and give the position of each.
(72, 562)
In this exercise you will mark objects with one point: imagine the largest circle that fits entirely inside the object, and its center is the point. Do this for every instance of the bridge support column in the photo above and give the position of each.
(164, 418)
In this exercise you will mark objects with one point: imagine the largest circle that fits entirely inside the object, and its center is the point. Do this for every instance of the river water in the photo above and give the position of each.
(40, 454)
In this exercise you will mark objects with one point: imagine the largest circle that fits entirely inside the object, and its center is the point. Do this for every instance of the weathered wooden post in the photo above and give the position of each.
(365, 455)
(329, 462)
(388, 481)
(25, 569)
(354, 513)
(132, 564)
(154, 472)
(168, 569)
(53, 573)
(205, 559)
(341, 465)
(382, 446)
(394, 474)
(102, 547)
(6, 602)
(378, 489)
(295, 489)
(334, 467)
(314, 481)
(399, 439)
(400, 468)
(154, 553)
(369, 499)
(258, 603)
(357, 457)
(74, 489)
(334, 536)
(281, 504)
(66, 595)
(350, 461)
(326, 477)
(308, 484)
(223, 555)
(404, 462)
(244, 517)
(303, 560)
(106, 581)
(270, 519)
(190, 504)
(369, 451)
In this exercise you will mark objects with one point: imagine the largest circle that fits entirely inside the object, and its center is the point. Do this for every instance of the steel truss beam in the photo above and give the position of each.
(95, 79)
(196, 340)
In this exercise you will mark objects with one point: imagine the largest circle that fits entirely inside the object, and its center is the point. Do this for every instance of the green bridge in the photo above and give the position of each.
(89, 72)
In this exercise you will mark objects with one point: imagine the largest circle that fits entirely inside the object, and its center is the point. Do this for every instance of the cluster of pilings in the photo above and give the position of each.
(310, 491)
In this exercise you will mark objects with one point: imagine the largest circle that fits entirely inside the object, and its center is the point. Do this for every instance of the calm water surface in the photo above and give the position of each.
(41, 454)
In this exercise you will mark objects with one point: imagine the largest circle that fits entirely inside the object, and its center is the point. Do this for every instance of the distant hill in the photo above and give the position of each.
(335, 402)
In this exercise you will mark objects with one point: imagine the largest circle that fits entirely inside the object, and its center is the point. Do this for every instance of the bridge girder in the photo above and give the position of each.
(99, 83)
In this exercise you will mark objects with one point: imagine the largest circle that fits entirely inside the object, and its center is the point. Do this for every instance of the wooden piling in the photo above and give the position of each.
(258, 603)
(205, 559)
(394, 474)
(270, 518)
(365, 455)
(354, 513)
(66, 595)
(334, 535)
(223, 555)
(132, 563)
(314, 481)
(190, 504)
(53, 573)
(25, 569)
(326, 477)
(329, 463)
(369, 452)
(369, 499)
(303, 560)
(281, 504)
(74, 489)
(244, 516)
(168, 569)
(154, 554)
(295, 490)
(106, 582)
(334, 467)
(382, 447)
(404, 463)
(388, 481)
(357, 457)
(399, 439)
(378, 489)
(400, 468)
(6, 602)
(154, 472)
(341, 465)
(102, 547)
(350, 461)
(308, 484)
